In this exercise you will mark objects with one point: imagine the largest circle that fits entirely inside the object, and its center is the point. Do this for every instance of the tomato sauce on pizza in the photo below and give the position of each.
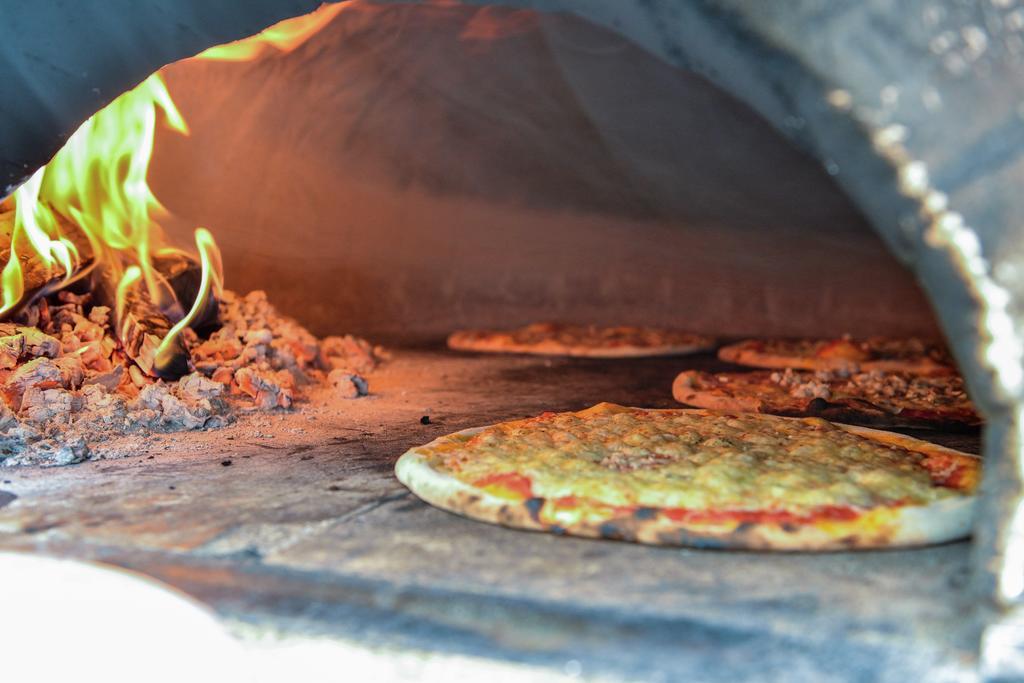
(698, 477)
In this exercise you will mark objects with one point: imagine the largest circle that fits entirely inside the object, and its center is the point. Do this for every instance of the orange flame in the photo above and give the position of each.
(97, 183)
(285, 36)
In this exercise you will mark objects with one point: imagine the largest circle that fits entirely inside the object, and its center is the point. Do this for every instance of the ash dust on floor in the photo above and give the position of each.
(308, 511)
(342, 447)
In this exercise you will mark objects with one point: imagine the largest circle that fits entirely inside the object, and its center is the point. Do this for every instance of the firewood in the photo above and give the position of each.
(37, 277)
(65, 409)
(184, 274)
(141, 327)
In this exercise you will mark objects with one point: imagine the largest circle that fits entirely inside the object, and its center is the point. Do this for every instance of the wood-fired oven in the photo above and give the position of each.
(404, 169)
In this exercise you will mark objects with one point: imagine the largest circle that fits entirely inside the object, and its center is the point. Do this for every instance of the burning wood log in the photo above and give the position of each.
(139, 324)
(184, 275)
(140, 327)
(37, 277)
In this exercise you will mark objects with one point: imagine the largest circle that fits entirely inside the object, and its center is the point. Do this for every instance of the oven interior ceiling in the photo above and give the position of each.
(414, 168)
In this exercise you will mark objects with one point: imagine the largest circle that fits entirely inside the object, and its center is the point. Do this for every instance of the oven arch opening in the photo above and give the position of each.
(955, 242)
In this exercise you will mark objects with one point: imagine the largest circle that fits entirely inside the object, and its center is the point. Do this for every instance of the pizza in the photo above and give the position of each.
(890, 399)
(700, 478)
(560, 339)
(876, 353)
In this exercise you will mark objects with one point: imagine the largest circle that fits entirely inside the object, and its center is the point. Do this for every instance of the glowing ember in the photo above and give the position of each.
(96, 186)
(84, 369)
(91, 206)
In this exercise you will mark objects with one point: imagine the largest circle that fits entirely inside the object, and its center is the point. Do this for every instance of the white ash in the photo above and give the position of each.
(69, 392)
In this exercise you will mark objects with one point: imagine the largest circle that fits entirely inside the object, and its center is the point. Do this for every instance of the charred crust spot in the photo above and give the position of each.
(706, 542)
(610, 531)
(790, 528)
(645, 513)
(743, 527)
(703, 542)
(556, 529)
(533, 506)
(817, 405)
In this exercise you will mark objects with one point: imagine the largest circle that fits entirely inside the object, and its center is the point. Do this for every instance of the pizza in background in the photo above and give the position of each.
(910, 355)
(890, 399)
(592, 341)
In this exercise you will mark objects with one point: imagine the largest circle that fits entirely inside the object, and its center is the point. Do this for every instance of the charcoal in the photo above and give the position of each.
(268, 390)
(140, 326)
(157, 407)
(102, 406)
(184, 275)
(347, 384)
(69, 385)
(46, 406)
(38, 344)
(12, 347)
(72, 372)
(40, 372)
(197, 387)
(351, 353)
(109, 380)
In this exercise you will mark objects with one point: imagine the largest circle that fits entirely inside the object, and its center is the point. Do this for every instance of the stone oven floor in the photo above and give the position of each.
(307, 534)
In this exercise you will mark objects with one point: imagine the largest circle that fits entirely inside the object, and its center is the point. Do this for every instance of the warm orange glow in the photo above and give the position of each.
(132, 274)
(35, 230)
(96, 186)
(212, 279)
(285, 36)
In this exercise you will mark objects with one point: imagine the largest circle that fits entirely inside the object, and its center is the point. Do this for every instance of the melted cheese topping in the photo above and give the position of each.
(692, 460)
(942, 396)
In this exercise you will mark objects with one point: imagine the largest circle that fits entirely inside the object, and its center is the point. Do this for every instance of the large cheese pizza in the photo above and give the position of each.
(700, 478)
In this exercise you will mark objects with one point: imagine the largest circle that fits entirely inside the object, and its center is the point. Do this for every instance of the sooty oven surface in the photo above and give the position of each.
(293, 523)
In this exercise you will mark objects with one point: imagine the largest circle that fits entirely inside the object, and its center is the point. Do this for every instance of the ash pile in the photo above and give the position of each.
(68, 385)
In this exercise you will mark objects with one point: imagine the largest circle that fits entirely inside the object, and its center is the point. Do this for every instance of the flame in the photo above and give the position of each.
(285, 36)
(96, 186)
(91, 205)
(35, 228)
(211, 280)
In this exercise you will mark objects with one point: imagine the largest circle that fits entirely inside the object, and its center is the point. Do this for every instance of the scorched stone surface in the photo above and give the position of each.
(294, 524)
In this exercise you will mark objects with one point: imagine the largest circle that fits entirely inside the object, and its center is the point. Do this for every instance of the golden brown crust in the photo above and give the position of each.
(909, 525)
(640, 528)
(582, 341)
(889, 355)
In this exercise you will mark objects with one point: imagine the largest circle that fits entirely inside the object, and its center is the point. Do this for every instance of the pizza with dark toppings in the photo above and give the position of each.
(909, 355)
(889, 399)
(700, 478)
(593, 341)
